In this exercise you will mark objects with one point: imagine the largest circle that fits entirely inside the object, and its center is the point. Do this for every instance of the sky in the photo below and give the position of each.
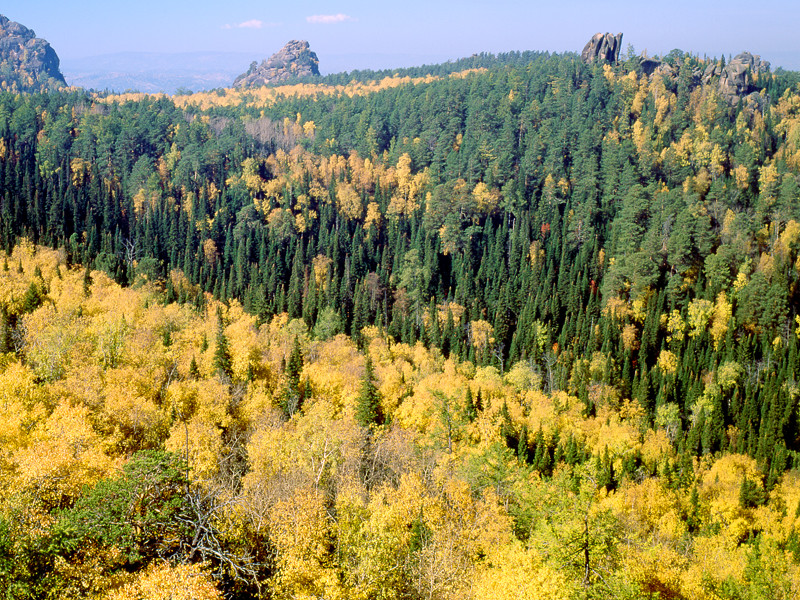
(367, 34)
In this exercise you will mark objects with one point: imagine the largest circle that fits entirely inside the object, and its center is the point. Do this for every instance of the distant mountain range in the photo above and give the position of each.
(152, 72)
(196, 71)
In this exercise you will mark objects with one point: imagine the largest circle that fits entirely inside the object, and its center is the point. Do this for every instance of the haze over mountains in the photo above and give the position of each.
(197, 71)
(152, 72)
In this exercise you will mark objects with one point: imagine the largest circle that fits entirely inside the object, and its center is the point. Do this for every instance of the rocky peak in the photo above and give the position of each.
(602, 47)
(738, 77)
(27, 63)
(295, 59)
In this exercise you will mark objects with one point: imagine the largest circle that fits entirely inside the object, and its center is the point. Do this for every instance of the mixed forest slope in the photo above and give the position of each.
(510, 303)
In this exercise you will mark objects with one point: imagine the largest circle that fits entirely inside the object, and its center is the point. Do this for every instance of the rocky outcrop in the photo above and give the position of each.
(294, 60)
(738, 77)
(27, 63)
(736, 80)
(649, 65)
(602, 47)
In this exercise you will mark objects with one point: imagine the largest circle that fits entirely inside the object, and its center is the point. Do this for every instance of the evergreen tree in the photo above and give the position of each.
(368, 408)
(222, 357)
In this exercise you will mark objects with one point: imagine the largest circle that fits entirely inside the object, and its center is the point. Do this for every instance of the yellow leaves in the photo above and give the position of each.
(518, 574)
(522, 377)
(667, 362)
(742, 177)
(63, 456)
(612, 432)
(267, 96)
(720, 486)
(373, 218)
(783, 246)
(348, 201)
(336, 374)
(50, 339)
(281, 222)
(536, 253)
(111, 342)
(551, 413)
(486, 199)
(717, 162)
(405, 201)
(80, 170)
(649, 510)
(22, 407)
(658, 444)
(617, 308)
(728, 374)
(700, 314)
(300, 530)
(630, 337)
(201, 415)
(723, 311)
(657, 570)
(639, 97)
(162, 581)
(251, 176)
(243, 342)
(436, 399)
(481, 334)
(312, 449)
(129, 409)
(641, 135)
(608, 73)
(768, 182)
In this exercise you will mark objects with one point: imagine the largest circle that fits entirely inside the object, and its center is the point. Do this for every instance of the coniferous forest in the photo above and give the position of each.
(509, 327)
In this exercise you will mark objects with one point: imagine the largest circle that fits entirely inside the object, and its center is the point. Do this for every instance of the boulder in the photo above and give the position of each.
(602, 47)
(294, 60)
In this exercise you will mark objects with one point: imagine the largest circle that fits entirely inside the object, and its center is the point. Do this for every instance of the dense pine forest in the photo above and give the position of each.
(512, 326)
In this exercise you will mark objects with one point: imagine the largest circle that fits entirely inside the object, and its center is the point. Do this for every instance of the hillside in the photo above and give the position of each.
(517, 325)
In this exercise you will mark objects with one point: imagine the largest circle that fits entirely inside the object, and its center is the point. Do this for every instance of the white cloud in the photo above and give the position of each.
(251, 24)
(329, 19)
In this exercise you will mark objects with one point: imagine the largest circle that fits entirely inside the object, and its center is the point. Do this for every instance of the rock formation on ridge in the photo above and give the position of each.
(602, 47)
(737, 78)
(735, 81)
(295, 59)
(27, 63)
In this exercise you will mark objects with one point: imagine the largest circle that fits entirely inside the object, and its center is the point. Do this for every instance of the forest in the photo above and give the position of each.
(509, 327)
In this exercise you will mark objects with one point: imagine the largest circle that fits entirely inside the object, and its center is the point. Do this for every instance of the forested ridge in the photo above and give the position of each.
(513, 325)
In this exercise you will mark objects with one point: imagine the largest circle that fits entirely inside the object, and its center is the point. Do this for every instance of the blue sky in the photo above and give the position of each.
(410, 32)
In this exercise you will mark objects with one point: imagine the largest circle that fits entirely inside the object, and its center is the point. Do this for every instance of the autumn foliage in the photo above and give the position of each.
(132, 467)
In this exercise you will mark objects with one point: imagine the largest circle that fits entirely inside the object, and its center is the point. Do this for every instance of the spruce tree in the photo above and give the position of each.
(222, 356)
(292, 397)
(368, 408)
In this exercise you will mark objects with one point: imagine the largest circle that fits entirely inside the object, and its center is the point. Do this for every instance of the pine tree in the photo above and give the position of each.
(222, 356)
(470, 410)
(292, 395)
(368, 408)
